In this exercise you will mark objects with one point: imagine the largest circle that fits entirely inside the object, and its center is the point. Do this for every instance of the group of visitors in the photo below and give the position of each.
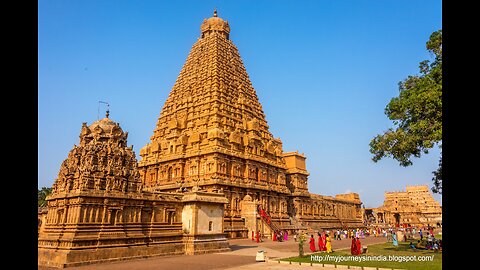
(429, 243)
(356, 247)
(281, 236)
(340, 234)
(324, 243)
(257, 236)
(424, 236)
(426, 241)
(264, 215)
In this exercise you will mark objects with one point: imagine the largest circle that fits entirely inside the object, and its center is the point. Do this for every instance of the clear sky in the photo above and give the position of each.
(323, 70)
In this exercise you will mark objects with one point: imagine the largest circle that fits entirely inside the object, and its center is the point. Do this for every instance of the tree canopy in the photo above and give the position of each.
(42, 195)
(416, 114)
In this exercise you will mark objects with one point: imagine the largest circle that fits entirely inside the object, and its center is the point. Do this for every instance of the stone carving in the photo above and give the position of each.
(103, 156)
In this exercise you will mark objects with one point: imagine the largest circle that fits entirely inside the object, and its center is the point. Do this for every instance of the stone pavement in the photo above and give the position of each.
(242, 256)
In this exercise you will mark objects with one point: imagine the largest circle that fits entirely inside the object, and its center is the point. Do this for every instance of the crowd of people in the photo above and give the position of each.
(427, 241)
(423, 236)
(280, 235)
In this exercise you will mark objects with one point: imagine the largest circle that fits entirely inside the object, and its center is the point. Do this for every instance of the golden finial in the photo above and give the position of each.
(215, 12)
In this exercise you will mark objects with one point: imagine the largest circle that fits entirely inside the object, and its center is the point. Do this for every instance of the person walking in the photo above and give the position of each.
(353, 247)
(394, 238)
(328, 243)
(312, 243)
(321, 246)
(429, 239)
(324, 240)
(358, 244)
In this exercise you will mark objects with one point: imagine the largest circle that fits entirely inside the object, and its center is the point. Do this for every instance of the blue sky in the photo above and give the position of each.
(323, 70)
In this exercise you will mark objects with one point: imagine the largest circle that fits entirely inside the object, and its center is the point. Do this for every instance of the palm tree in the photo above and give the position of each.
(42, 195)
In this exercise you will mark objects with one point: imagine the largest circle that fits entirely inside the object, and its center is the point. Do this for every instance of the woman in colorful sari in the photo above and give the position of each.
(312, 244)
(358, 244)
(324, 241)
(394, 238)
(328, 243)
(353, 247)
(321, 246)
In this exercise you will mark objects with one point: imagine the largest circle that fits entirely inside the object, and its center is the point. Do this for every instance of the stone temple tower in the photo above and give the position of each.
(212, 133)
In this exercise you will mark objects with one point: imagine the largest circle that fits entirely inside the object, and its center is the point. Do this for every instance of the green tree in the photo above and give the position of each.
(416, 114)
(42, 195)
(301, 241)
(437, 178)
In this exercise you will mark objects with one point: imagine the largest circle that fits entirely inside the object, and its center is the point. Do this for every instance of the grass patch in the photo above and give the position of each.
(385, 250)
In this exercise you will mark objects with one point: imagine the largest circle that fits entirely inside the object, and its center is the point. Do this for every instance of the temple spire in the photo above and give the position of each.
(215, 12)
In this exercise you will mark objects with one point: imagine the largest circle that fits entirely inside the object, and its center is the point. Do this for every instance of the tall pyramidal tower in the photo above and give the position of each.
(212, 134)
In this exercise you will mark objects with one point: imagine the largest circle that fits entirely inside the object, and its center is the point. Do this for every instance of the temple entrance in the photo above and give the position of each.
(397, 219)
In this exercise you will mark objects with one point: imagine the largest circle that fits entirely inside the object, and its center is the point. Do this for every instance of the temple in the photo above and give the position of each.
(98, 211)
(212, 132)
(211, 171)
(413, 207)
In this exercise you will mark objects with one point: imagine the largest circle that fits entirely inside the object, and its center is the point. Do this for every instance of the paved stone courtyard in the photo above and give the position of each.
(242, 256)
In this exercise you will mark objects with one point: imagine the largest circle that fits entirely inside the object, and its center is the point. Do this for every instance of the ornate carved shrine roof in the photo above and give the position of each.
(213, 106)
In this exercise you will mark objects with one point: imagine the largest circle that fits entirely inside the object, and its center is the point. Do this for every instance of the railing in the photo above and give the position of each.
(267, 219)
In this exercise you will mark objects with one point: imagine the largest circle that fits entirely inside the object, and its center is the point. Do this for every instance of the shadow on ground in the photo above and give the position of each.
(238, 247)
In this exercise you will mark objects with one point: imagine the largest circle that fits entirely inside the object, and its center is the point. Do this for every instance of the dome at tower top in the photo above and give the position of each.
(105, 127)
(106, 124)
(215, 24)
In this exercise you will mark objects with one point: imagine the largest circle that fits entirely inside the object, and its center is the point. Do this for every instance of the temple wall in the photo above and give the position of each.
(210, 219)
(83, 229)
(323, 212)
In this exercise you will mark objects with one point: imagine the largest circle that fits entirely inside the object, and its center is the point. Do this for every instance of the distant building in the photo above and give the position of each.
(413, 207)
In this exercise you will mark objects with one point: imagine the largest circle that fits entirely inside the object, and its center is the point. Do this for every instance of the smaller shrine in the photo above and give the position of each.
(98, 211)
